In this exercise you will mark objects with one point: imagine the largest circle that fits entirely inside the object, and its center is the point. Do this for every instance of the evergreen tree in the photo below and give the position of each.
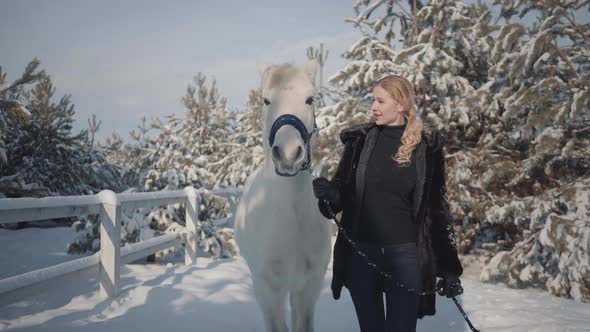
(180, 152)
(137, 157)
(39, 155)
(247, 152)
(185, 146)
(443, 51)
(186, 153)
(43, 150)
(507, 95)
(320, 56)
(535, 128)
(13, 114)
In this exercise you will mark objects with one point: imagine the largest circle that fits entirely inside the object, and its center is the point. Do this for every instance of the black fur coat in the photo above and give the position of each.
(437, 254)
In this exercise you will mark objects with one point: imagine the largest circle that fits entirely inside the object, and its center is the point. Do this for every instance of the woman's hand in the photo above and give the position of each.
(449, 286)
(324, 189)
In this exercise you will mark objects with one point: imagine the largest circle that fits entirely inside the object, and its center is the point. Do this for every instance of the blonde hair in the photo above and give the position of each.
(402, 91)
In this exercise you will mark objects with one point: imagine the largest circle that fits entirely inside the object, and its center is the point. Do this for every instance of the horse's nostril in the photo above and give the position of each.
(275, 153)
(299, 152)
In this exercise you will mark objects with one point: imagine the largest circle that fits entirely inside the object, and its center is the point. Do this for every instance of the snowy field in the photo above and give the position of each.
(216, 295)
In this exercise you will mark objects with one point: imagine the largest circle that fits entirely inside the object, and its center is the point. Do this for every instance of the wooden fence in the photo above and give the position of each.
(111, 256)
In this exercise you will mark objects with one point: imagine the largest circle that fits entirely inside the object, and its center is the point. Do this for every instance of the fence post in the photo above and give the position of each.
(110, 244)
(191, 217)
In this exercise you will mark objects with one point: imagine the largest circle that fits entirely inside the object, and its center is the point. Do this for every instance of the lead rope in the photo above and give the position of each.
(438, 291)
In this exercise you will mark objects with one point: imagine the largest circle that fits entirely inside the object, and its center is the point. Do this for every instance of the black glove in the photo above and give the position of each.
(324, 189)
(449, 286)
(336, 292)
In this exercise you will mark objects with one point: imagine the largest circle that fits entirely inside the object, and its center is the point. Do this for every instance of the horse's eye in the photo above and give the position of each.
(266, 101)
(309, 100)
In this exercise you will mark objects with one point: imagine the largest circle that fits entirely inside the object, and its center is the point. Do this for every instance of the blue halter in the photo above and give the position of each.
(290, 119)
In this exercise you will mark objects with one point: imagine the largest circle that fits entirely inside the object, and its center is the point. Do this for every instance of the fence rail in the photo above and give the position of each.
(111, 256)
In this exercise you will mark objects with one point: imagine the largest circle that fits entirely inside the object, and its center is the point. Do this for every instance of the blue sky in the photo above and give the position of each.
(122, 60)
(125, 59)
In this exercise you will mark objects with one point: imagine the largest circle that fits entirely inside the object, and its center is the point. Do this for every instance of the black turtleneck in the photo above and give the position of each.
(386, 213)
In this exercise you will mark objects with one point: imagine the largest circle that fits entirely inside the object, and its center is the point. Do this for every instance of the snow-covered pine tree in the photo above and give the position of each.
(223, 149)
(178, 153)
(185, 146)
(507, 96)
(247, 152)
(443, 52)
(43, 157)
(202, 138)
(320, 56)
(536, 130)
(50, 155)
(99, 173)
(134, 158)
(13, 115)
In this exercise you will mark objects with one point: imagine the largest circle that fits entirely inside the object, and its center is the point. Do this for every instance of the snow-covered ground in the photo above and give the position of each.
(216, 295)
(28, 249)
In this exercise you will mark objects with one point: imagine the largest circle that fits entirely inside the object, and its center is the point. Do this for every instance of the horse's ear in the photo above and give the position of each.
(311, 69)
(262, 68)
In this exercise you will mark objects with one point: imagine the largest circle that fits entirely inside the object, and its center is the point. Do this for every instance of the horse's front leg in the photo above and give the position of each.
(303, 304)
(271, 297)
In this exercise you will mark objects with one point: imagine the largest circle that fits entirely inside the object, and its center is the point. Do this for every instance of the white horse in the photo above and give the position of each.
(279, 229)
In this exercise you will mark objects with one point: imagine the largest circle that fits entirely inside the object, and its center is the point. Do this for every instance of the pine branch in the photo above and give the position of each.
(415, 18)
(367, 12)
(28, 77)
(402, 8)
(224, 159)
(549, 8)
(577, 27)
(565, 59)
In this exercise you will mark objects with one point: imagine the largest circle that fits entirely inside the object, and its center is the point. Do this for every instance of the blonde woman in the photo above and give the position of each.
(390, 187)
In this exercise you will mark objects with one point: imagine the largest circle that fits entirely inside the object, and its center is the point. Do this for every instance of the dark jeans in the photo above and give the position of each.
(367, 287)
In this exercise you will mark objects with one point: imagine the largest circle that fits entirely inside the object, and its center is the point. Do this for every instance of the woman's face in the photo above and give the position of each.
(386, 110)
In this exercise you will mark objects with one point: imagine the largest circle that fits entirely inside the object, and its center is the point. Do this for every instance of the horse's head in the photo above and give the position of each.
(288, 92)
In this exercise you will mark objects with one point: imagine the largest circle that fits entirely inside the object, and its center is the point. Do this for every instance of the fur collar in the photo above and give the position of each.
(433, 138)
